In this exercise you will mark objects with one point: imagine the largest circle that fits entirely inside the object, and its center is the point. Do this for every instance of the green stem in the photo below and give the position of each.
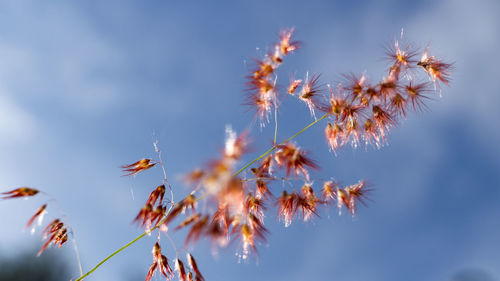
(114, 253)
(161, 222)
(277, 145)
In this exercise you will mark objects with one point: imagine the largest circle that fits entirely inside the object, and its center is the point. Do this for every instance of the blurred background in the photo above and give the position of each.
(86, 86)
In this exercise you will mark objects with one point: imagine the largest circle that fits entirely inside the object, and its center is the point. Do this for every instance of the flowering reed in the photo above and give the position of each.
(357, 112)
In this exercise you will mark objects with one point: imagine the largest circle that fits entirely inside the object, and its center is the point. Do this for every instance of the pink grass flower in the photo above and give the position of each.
(292, 158)
(38, 214)
(20, 192)
(435, 68)
(137, 167)
(194, 266)
(286, 45)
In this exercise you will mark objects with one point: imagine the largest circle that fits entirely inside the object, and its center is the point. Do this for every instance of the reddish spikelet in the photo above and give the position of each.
(328, 192)
(254, 205)
(294, 159)
(398, 104)
(334, 136)
(151, 271)
(310, 91)
(195, 176)
(337, 103)
(38, 214)
(370, 94)
(144, 216)
(257, 227)
(262, 191)
(402, 57)
(137, 167)
(156, 252)
(159, 262)
(50, 226)
(417, 95)
(194, 266)
(179, 267)
(264, 169)
(20, 192)
(263, 69)
(196, 230)
(261, 86)
(355, 84)
(55, 233)
(188, 221)
(286, 45)
(250, 233)
(216, 234)
(307, 202)
(388, 87)
(435, 68)
(394, 72)
(342, 199)
(351, 111)
(165, 268)
(382, 119)
(248, 240)
(371, 134)
(190, 203)
(262, 103)
(232, 194)
(352, 132)
(294, 84)
(356, 193)
(157, 215)
(176, 210)
(222, 218)
(235, 146)
(159, 192)
(287, 207)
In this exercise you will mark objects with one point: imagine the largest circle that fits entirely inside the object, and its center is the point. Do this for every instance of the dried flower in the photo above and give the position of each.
(196, 230)
(188, 221)
(435, 68)
(38, 214)
(159, 192)
(255, 206)
(328, 191)
(404, 57)
(144, 216)
(194, 266)
(294, 84)
(179, 267)
(137, 167)
(334, 136)
(262, 191)
(159, 262)
(310, 91)
(287, 207)
(20, 192)
(307, 202)
(416, 95)
(235, 146)
(286, 45)
(371, 134)
(294, 159)
(356, 193)
(56, 233)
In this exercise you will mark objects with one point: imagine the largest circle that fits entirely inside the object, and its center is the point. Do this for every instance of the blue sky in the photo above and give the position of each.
(85, 85)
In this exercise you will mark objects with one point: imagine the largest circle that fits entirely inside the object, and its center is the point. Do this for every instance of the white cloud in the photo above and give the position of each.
(61, 58)
(16, 124)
